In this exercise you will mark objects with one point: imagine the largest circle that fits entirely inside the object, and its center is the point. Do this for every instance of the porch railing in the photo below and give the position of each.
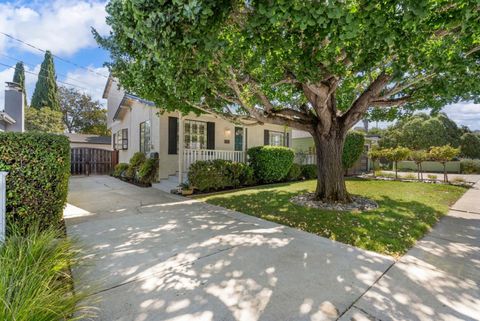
(305, 159)
(190, 156)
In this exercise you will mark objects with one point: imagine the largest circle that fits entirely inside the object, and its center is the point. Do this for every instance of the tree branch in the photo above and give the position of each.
(390, 102)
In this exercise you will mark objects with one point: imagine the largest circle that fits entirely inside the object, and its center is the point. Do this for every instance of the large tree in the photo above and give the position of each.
(46, 90)
(44, 120)
(312, 65)
(19, 78)
(82, 114)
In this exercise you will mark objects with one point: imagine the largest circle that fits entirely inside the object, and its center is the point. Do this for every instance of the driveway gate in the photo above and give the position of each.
(86, 161)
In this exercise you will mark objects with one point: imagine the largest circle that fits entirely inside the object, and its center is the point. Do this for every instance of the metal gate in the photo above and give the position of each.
(86, 161)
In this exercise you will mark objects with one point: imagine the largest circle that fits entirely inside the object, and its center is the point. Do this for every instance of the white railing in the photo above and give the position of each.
(305, 159)
(3, 200)
(190, 156)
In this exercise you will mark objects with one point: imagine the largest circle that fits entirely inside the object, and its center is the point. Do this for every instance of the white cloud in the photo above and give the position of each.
(466, 113)
(62, 26)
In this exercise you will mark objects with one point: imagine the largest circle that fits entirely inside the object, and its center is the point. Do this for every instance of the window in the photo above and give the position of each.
(145, 137)
(276, 138)
(195, 134)
(121, 139)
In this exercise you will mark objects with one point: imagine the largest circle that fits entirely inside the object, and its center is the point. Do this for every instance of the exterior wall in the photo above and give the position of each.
(302, 144)
(2, 126)
(87, 145)
(115, 96)
(14, 107)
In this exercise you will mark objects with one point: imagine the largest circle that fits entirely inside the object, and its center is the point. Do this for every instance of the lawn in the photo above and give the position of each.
(406, 211)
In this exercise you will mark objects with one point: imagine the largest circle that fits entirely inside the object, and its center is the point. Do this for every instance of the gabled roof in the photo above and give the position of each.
(127, 102)
(89, 139)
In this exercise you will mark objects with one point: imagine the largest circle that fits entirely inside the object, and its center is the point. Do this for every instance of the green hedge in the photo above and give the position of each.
(353, 148)
(270, 163)
(37, 183)
(309, 171)
(470, 166)
(120, 169)
(219, 174)
(295, 172)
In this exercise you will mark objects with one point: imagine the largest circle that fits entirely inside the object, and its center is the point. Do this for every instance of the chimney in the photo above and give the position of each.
(14, 106)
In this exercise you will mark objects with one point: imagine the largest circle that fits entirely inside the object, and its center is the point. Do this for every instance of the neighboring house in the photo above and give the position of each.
(304, 147)
(89, 141)
(12, 119)
(138, 126)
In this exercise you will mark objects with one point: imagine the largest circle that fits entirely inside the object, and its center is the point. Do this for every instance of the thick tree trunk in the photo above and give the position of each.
(330, 178)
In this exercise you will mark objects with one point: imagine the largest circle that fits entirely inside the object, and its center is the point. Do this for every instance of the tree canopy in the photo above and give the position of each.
(46, 91)
(19, 78)
(81, 114)
(44, 120)
(422, 131)
(470, 145)
(311, 65)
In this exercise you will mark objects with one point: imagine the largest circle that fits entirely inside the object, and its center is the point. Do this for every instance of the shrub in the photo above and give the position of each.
(240, 174)
(470, 145)
(470, 166)
(137, 160)
(352, 149)
(295, 172)
(148, 170)
(120, 169)
(37, 183)
(270, 163)
(385, 174)
(432, 177)
(309, 171)
(459, 180)
(410, 176)
(35, 283)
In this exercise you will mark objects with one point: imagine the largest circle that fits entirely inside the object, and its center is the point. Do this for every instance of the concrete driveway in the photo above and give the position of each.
(149, 255)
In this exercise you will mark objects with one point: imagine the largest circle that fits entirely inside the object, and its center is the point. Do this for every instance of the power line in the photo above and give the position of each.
(32, 66)
(58, 57)
(38, 75)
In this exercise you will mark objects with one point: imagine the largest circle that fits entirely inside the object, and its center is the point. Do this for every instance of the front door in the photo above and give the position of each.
(238, 138)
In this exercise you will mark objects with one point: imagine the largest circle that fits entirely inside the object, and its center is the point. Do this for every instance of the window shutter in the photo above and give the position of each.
(287, 140)
(210, 135)
(266, 137)
(172, 135)
(125, 138)
(114, 142)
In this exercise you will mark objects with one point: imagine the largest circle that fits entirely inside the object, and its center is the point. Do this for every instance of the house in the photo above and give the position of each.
(12, 119)
(89, 141)
(179, 140)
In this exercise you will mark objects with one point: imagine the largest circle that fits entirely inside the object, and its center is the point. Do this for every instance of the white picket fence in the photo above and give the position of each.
(190, 156)
(305, 159)
(3, 200)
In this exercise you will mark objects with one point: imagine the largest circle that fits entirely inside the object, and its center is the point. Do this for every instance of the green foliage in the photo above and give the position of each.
(19, 78)
(270, 163)
(470, 145)
(397, 154)
(46, 90)
(443, 153)
(295, 172)
(219, 174)
(309, 171)
(432, 177)
(422, 132)
(44, 120)
(352, 148)
(470, 166)
(81, 114)
(419, 156)
(120, 169)
(137, 160)
(35, 283)
(37, 183)
(147, 171)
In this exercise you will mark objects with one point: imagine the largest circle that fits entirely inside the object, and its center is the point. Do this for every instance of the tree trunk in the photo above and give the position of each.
(445, 177)
(396, 169)
(330, 179)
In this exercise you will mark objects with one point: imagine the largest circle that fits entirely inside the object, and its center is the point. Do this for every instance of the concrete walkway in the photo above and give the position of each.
(150, 255)
(438, 279)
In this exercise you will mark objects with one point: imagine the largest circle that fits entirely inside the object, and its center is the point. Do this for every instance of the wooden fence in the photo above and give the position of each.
(86, 161)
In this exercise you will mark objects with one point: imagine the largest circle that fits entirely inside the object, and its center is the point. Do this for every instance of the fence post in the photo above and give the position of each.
(3, 201)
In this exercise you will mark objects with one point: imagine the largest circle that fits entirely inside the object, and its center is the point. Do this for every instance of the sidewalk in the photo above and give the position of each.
(438, 279)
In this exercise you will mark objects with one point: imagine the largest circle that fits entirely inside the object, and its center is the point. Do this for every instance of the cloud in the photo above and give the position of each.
(62, 26)
(465, 113)
(30, 81)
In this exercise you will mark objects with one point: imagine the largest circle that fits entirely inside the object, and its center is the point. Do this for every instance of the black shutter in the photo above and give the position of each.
(172, 135)
(266, 137)
(210, 135)
(114, 141)
(287, 140)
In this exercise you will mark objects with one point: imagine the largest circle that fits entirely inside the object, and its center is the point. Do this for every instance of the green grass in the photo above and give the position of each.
(406, 211)
(35, 283)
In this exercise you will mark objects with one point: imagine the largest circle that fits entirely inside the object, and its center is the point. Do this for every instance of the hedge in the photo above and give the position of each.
(270, 163)
(352, 148)
(37, 183)
(309, 171)
(470, 166)
(219, 174)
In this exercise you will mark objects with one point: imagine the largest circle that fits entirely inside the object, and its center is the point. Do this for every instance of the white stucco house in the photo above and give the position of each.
(180, 140)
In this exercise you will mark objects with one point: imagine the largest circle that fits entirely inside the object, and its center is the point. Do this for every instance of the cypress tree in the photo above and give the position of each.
(19, 78)
(46, 90)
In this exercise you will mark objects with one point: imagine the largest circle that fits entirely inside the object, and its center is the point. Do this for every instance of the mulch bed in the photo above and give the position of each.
(358, 203)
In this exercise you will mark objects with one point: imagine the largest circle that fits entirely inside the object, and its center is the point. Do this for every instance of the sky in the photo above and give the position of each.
(64, 28)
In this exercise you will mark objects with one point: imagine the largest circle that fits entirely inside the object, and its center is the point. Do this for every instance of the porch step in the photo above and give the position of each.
(167, 185)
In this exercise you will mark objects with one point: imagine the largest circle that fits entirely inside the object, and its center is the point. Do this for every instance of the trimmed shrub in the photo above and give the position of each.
(240, 174)
(295, 172)
(120, 169)
(270, 163)
(148, 170)
(37, 183)
(352, 149)
(309, 171)
(470, 166)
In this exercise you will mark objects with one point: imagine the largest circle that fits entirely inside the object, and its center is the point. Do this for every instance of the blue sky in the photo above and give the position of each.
(63, 26)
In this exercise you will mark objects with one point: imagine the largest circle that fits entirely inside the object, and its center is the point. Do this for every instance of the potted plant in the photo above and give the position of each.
(186, 189)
